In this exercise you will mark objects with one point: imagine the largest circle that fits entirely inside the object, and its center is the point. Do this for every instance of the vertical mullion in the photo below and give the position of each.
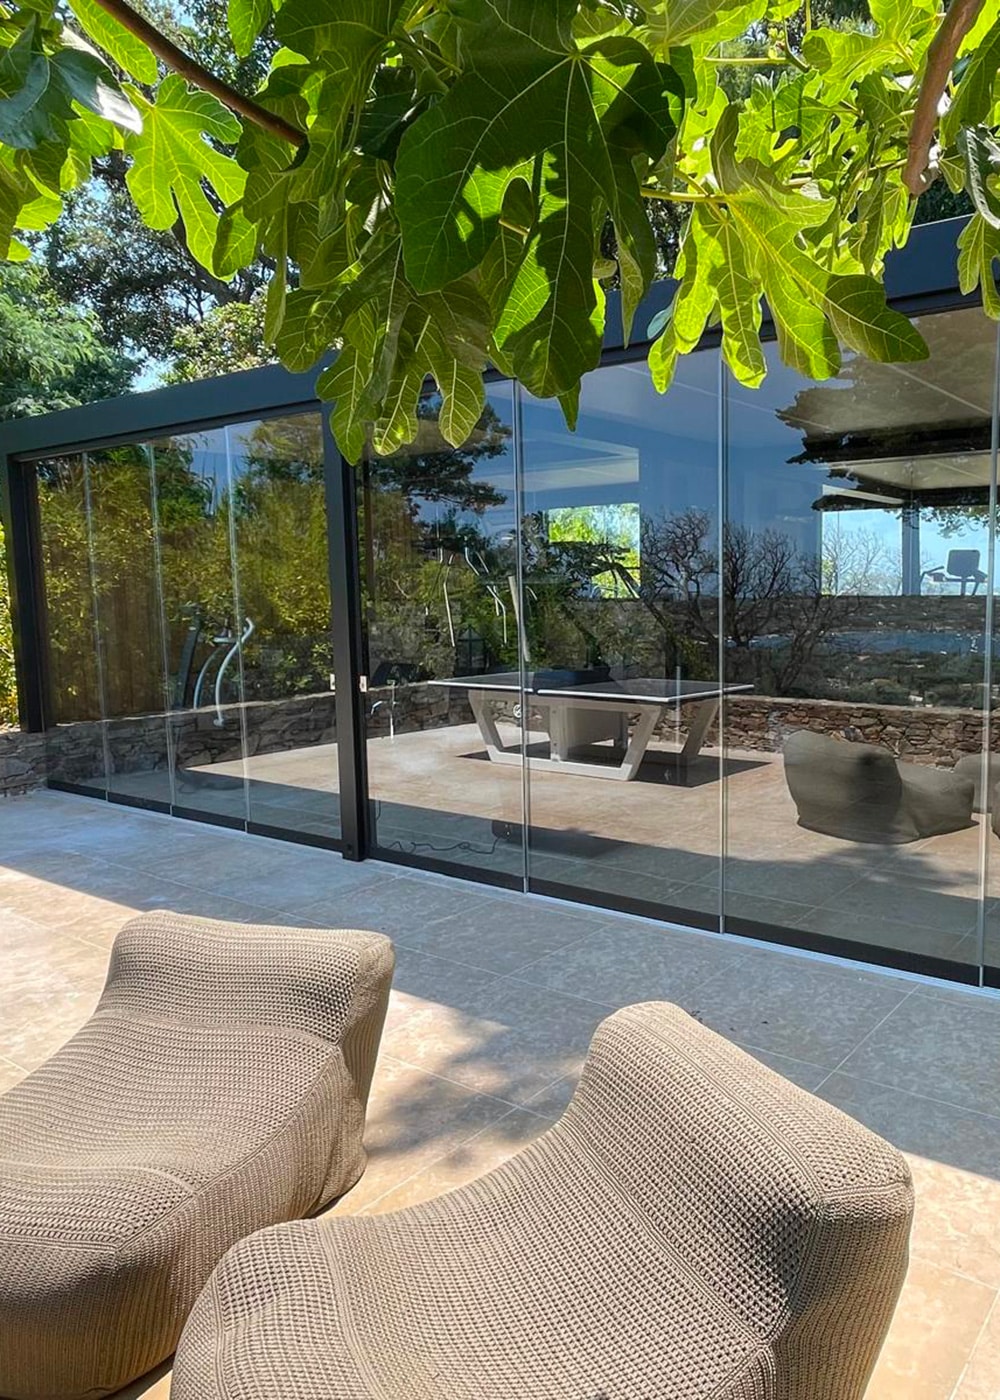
(348, 647)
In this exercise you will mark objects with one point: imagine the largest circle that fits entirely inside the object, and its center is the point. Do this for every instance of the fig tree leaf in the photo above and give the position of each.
(246, 19)
(532, 107)
(979, 249)
(123, 47)
(172, 161)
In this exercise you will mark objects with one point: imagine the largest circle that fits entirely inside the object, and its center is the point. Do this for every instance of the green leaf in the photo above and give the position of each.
(572, 123)
(974, 94)
(129, 52)
(246, 19)
(738, 292)
(236, 242)
(979, 249)
(346, 41)
(677, 21)
(172, 158)
(86, 78)
(345, 384)
(982, 164)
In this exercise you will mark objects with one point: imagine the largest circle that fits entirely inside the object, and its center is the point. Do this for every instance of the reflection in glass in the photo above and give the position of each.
(75, 743)
(439, 583)
(620, 524)
(855, 596)
(280, 533)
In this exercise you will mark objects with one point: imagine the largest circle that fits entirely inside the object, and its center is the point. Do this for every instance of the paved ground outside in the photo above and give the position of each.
(496, 997)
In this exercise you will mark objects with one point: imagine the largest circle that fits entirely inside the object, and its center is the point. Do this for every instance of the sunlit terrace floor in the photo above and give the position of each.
(495, 999)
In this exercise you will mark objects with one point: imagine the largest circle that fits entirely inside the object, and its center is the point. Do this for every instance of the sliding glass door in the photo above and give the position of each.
(443, 676)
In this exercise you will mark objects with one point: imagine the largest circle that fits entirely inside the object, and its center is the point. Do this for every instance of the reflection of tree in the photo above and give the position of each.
(769, 589)
(141, 537)
(423, 568)
(858, 561)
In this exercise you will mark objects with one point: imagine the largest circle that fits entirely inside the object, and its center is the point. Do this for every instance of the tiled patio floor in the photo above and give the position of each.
(496, 998)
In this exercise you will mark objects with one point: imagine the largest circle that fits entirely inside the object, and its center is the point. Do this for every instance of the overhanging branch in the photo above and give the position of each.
(183, 64)
(961, 16)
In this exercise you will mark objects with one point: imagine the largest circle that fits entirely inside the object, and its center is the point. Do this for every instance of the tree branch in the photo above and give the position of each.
(182, 63)
(961, 16)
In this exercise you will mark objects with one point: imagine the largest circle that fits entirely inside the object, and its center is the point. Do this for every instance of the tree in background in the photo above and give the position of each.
(229, 337)
(145, 301)
(51, 355)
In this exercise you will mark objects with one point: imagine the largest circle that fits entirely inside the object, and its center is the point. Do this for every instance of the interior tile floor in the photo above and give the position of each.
(437, 795)
(496, 997)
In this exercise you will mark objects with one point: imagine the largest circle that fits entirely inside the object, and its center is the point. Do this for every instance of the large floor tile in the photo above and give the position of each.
(938, 1320)
(955, 1159)
(931, 1046)
(422, 982)
(414, 1118)
(394, 904)
(469, 1161)
(626, 962)
(947, 903)
(10, 1074)
(503, 935)
(509, 1040)
(981, 1379)
(874, 929)
(796, 1007)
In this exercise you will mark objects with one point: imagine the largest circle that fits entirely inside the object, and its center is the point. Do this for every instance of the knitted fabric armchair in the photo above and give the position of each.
(693, 1227)
(220, 1086)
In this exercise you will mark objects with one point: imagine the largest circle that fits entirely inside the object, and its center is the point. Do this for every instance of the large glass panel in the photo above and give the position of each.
(284, 580)
(130, 627)
(855, 597)
(75, 743)
(197, 508)
(439, 583)
(620, 527)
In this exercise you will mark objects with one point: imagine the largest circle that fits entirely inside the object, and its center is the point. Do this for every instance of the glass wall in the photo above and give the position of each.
(857, 603)
(620, 524)
(726, 658)
(189, 625)
(439, 577)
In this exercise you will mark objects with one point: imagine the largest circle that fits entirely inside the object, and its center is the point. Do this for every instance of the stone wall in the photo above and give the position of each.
(77, 753)
(22, 762)
(925, 734)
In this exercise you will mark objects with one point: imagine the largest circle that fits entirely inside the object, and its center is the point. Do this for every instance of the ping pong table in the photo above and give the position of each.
(591, 712)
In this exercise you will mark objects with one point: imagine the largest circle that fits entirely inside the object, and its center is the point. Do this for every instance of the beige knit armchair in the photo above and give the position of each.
(220, 1086)
(694, 1227)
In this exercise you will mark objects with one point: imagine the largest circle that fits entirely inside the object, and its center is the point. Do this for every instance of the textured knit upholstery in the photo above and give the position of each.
(220, 1086)
(694, 1226)
(860, 792)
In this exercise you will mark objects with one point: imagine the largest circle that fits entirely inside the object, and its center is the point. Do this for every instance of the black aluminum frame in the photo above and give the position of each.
(920, 279)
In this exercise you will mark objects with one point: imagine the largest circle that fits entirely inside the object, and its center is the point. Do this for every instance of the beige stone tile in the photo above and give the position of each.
(954, 1155)
(423, 982)
(937, 1322)
(795, 1006)
(510, 1040)
(414, 1118)
(981, 1380)
(10, 1074)
(503, 935)
(468, 1162)
(931, 1046)
(627, 961)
